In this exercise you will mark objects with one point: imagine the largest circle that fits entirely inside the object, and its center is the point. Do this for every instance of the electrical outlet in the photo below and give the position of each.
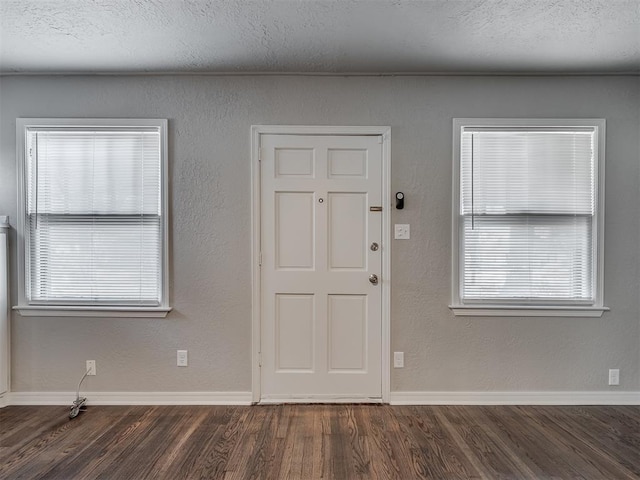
(614, 376)
(183, 358)
(398, 359)
(91, 367)
(402, 231)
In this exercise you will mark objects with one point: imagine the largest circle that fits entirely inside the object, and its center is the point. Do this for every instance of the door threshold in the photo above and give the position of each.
(318, 399)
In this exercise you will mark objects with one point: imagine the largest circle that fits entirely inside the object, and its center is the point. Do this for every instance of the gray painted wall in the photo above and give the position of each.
(210, 119)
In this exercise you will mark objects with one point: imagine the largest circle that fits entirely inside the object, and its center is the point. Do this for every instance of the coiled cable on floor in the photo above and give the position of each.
(79, 402)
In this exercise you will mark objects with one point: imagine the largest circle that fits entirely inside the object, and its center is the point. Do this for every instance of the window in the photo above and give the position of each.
(93, 217)
(527, 223)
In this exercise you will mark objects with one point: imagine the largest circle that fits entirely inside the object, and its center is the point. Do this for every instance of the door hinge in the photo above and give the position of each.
(380, 138)
(260, 259)
(260, 359)
(260, 154)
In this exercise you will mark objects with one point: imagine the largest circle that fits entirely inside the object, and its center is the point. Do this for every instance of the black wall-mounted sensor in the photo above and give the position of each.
(399, 200)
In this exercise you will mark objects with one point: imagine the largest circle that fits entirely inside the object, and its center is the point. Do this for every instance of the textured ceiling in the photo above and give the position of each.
(318, 36)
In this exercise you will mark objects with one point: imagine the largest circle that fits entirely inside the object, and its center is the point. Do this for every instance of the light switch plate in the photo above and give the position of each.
(402, 231)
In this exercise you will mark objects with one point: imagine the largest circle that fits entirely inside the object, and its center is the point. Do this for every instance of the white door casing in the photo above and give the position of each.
(320, 325)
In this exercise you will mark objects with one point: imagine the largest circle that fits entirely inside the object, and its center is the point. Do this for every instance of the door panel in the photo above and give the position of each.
(294, 332)
(294, 163)
(321, 317)
(347, 225)
(347, 349)
(347, 163)
(295, 227)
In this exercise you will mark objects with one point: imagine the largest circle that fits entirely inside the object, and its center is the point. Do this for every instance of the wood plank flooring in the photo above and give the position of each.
(321, 442)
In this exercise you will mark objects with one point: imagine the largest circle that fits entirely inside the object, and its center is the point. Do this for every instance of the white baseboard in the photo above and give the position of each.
(132, 398)
(396, 398)
(515, 398)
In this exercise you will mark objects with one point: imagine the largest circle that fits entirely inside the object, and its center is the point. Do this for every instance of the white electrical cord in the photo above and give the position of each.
(79, 402)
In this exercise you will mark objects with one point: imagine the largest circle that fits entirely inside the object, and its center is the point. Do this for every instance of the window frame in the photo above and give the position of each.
(38, 308)
(489, 307)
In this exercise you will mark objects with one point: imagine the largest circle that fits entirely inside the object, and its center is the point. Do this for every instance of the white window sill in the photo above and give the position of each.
(526, 311)
(85, 311)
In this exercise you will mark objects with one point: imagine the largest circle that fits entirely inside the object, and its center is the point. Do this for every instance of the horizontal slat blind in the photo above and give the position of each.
(527, 172)
(94, 216)
(530, 257)
(527, 215)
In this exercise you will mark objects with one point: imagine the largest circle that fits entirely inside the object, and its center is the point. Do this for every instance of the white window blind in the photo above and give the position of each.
(94, 219)
(527, 213)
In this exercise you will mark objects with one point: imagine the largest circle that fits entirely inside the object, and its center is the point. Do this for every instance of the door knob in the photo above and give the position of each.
(374, 247)
(373, 278)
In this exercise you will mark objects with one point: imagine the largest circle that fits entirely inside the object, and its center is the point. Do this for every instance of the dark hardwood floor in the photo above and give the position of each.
(321, 441)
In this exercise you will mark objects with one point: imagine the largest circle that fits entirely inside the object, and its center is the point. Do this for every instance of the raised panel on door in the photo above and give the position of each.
(294, 163)
(294, 230)
(294, 325)
(347, 339)
(347, 230)
(347, 163)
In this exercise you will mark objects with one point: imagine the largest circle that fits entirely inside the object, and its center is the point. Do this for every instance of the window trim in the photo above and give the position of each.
(46, 310)
(515, 309)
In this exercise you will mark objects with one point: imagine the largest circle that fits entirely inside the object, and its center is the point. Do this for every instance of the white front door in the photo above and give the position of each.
(321, 244)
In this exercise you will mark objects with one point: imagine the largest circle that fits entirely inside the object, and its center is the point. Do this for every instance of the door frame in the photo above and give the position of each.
(256, 207)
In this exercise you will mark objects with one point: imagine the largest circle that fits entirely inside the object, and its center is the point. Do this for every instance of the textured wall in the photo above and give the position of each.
(210, 118)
